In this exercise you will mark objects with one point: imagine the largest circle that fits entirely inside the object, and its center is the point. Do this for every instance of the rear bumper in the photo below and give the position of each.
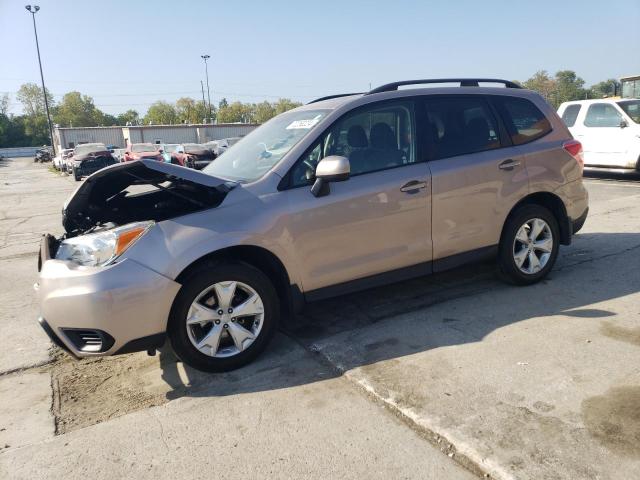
(125, 305)
(578, 223)
(575, 197)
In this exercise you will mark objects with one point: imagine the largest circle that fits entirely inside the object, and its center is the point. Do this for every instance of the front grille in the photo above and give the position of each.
(91, 341)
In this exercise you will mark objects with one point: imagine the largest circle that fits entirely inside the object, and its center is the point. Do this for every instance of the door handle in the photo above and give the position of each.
(413, 186)
(509, 164)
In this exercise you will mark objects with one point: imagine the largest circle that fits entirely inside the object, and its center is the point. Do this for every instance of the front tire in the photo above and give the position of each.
(529, 245)
(76, 175)
(223, 317)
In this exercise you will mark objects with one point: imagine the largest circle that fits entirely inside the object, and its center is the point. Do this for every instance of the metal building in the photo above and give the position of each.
(121, 136)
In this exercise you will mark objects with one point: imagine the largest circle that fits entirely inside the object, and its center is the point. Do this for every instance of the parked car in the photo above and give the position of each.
(138, 151)
(88, 158)
(345, 193)
(609, 130)
(220, 146)
(192, 155)
(43, 154)
(168, 149)
(59, 161)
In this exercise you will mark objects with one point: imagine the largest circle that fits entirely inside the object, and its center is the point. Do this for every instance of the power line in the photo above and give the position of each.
(191, 92)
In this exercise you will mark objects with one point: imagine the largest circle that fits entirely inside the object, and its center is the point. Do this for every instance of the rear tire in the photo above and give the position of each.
(529, 245)
(191, 333)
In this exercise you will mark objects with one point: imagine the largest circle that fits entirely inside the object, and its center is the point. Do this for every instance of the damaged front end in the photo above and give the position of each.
(134, 195)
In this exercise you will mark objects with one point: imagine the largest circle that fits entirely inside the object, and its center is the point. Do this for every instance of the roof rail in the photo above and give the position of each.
(464, 82)
(329, 97)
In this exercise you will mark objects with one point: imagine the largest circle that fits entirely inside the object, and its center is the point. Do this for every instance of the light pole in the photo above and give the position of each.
(206, 69)
(33, 9)
(204, 104)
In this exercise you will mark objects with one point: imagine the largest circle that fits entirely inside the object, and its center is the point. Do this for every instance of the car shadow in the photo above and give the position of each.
(613, 175)
(292, 359)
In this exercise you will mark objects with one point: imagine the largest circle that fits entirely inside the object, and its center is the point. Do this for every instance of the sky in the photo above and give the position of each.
(128, 54)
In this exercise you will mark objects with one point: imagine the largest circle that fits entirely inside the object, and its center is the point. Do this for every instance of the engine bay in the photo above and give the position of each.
(126, 194)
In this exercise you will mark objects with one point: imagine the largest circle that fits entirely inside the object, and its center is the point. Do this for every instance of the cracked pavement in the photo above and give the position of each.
(453, 376)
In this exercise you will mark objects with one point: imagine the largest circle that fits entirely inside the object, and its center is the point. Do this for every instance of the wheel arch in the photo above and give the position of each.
(554, 204)
(267, 262)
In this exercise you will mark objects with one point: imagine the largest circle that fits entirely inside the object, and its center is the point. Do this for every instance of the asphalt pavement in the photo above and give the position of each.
(451, 376)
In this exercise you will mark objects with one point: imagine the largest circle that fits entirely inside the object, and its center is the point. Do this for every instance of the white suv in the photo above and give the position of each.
(609, 130)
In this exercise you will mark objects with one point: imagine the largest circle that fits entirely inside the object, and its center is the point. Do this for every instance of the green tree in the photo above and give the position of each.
(223, 103)
(161, 113)
(284, 104)
(236, 112)
(190, 110)
(12, 132)
(568, 86)
(607, 88)
(4, 104)
(77, 110)
(541, 83)
(263, 112)
(32, 100)
(107, 119)
(130, 117)
(35, 118)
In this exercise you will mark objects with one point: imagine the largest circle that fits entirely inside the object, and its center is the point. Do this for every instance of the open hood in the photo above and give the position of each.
(117, 195)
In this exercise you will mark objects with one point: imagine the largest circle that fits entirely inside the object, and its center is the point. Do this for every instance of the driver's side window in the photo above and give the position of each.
(304, 171)
(375, 137)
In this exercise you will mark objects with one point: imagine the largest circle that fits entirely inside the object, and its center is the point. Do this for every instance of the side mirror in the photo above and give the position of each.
(330, 169)
(623, 123)
(127, 153)
(112, 150)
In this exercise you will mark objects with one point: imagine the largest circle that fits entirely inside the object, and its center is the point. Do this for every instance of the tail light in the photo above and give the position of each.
(574, 148)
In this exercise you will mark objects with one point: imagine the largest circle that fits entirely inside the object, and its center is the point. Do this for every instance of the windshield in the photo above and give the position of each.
(631, 108)
(258, 152)
(170, 148)
(143, 147)
(89, 147)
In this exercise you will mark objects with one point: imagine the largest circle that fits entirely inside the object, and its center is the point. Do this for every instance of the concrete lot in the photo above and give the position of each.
(452, 376)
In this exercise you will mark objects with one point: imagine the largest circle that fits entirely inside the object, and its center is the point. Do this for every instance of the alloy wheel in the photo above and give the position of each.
(225, 319)
(532, 246)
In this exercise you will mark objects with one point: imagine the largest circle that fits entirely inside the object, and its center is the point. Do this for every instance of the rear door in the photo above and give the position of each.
(569, 114)
(477, 176)
(604, 142)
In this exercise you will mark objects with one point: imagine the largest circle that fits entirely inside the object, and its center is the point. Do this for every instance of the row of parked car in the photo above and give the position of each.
(87, 158)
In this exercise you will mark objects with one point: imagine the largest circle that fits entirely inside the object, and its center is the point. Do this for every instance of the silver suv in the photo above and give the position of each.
(344, 193)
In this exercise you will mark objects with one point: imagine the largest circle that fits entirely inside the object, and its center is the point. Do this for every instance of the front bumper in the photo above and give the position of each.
(127, 304)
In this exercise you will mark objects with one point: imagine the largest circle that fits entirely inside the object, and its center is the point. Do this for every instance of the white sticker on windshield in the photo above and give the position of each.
(304, 124)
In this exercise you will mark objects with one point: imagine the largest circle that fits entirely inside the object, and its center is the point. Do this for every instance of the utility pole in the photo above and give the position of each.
(206, 69)
(33, 10)
(204, 104)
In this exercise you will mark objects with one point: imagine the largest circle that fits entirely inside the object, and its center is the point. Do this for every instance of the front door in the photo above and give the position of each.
(378, 220)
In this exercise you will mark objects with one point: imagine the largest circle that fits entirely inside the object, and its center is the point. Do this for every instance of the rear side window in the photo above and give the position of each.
(524, 121)
(570, 115)
(602, 115)
(459, 126)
